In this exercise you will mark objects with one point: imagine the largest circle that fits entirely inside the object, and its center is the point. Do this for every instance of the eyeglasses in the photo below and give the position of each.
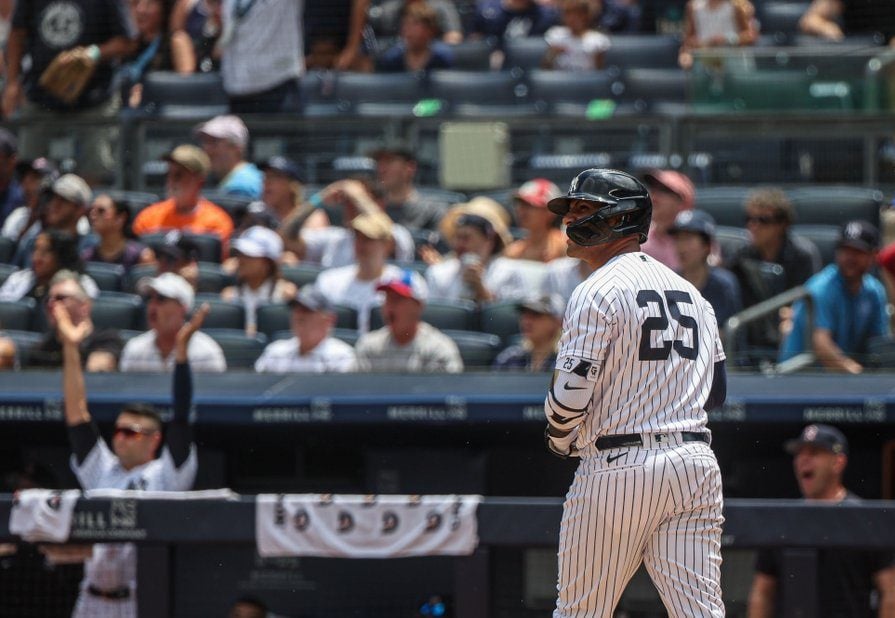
(762, 219)
(132, 432)
(58, 298)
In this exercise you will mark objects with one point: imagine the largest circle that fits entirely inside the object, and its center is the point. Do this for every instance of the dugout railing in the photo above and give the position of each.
(158, 526)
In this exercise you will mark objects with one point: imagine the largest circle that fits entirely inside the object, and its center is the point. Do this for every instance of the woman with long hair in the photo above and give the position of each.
(53, 251)
(111, 222)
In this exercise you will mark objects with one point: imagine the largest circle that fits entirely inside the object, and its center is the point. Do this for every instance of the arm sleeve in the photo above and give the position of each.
(179, 435)
(718, 392)
(83, 438)
(568, 400)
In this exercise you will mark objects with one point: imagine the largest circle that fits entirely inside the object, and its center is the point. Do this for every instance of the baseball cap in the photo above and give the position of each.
(672, 181)
(824, 436)
(72, 188)
(259, 241)
(859, 235)
(375, 225)
(9, 145)
(41, 165)
(397, 148)
(697, 221)
(284, 166)
(545, 304)
(230, 128)
(409, 284)
(169, 285)
(191, 157)
(310, 297)
(177, 246)
(537, 192)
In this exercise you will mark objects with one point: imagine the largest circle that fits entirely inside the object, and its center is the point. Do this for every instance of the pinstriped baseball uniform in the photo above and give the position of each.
(638, 351)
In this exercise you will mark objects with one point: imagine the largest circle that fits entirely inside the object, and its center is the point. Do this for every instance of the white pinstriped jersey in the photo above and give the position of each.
(658, 385)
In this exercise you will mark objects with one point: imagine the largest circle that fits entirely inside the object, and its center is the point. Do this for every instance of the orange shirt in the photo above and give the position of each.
(205, 218)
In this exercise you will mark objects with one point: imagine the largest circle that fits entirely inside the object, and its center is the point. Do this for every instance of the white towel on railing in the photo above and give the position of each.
(371, 526)
(42, 514)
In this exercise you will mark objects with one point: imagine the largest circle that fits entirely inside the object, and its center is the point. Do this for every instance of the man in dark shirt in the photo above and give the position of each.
(99, 349)
(11, 195)
(836, 19)
(846, 578)
(396, 167)
(41, 30)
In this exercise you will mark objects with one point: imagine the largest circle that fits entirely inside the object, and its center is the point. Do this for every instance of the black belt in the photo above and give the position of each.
(118, 594)
(634, 439)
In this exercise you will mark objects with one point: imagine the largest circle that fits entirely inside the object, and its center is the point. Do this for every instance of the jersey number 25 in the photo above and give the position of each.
(660, 323)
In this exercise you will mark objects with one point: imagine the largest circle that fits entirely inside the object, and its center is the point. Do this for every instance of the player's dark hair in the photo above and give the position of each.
(143, 410)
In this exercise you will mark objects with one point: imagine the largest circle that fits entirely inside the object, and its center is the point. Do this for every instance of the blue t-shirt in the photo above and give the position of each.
(392, 61)
(244, 180)
(493, 20)
(723, 293)
(852, 319)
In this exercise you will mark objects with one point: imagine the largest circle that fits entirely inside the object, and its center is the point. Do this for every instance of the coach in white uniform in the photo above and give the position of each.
(639, 364)
(110, 575)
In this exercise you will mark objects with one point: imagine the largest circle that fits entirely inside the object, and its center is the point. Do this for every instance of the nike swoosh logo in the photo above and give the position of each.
(612, 458)
(566, 387)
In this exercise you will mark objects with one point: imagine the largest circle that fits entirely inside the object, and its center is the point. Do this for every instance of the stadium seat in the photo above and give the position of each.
(379, 94)
(642, 51)
(272, 318)
(834, 205)
(730, 239)
(137, 273)
(301, 274)
(724, 203)
(25, 341)
(501, 319)
(240, 350)
(478, 350)
(118, 310)
(172, 95)
(18, 314)
(491, 94)
(209, 244)
(318, 90)
(5, 271)
(525, 53)
(654, 90)
(769, 90)
(235, 205)
(881, 353)
(346, 317)
(442, 314)
(7, 249)
(781, 19)
(213, 278)
(223, 314)
(472, 55)
(824, 237)
(348, 335)
(108, 277)
(135, 200)
(568, 93)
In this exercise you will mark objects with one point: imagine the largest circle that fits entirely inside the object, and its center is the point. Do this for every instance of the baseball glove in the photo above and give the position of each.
(68, 74)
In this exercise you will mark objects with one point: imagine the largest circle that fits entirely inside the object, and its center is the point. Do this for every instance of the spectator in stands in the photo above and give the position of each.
(333, 245)
(849, 304)
(185, 209)
(225, 140)
(512, 19)
(311, 349)
(836, 19)
(110, 575)
(544, 241)
(671, 193)
(846, 579)
(195, 28)
(334, 35)
(11, 193)
(540, 322)
(396, 167)
(406, 343)
(418, 49)
(620, 16)
(574, 46)
(354, 285)
(477, 233)
(564, 275)
(248, 607)
(153, 52)
(53, 251)
(66, 205)
(258, 253)
(169, 298)
(111, 222)
(694, 235)
(263, 56)
(178, 254)
(386, 18)
(712, 24)
(100, 348)
(283, 195)
(103, 30)
(9, 359)
(35, 178)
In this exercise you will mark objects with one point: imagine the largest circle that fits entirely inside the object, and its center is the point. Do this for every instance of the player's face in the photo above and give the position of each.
(853, 263)
(164, 315)
(539, 328)
(692, 249)
(818, 472)
(135, 439)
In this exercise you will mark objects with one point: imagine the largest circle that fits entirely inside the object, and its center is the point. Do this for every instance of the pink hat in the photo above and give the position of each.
(675, 182)
(537, 192)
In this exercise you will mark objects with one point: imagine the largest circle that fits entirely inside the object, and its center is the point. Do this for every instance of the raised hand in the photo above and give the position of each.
(186, 332)
(68, 333)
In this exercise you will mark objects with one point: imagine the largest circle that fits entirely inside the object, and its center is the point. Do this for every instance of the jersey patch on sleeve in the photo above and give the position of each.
(587, 369)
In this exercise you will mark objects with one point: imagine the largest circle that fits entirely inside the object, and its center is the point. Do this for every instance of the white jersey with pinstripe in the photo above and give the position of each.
(644, 342)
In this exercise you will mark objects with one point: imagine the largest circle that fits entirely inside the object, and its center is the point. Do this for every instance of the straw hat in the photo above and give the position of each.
(483, 207)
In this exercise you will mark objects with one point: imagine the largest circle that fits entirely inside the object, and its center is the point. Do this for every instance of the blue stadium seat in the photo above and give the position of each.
(300, 274)
(5, 271)
(478, 350)
(834, 205)
(172, 95)
(118, 310)
(213, 278)
(318, 89)
(654, 90)
(472, 55)
(18, 314)
(824, 237)
(209, 244)
(501, 319)
(7, 249)
(379, 94)
(108, 277)
(240, 350)
(568, 93)
(724, 203)
(781, 19)
(25, 341)
(730, 239)
(489, 94)
(642, 51)
(272, 318)
(524, 53)
(223, 314)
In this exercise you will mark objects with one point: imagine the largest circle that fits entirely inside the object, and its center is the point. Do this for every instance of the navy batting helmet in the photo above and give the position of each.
(620, 195)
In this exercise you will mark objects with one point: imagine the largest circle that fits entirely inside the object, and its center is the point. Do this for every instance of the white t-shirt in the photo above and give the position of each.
(563, 276)
(578, 52)
(330, 355)
(342, 287)
(15, 223)
(431, 351)
(500, 277)
(141, 354)
(334, 246)
(711, 22)
(263, 42)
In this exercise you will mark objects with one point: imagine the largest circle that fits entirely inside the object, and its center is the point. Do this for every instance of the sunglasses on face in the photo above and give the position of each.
(132, 432)
(762, 219)
(58, 298)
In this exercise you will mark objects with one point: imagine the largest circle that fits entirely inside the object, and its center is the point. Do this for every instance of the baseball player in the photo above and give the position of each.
(640, 362)
(110, 575)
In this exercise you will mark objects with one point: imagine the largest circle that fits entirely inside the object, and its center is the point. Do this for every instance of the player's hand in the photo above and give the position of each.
(68, 333)
(186, 332)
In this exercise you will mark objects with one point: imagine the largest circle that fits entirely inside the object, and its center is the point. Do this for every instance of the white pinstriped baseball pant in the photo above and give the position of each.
(660, 505)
